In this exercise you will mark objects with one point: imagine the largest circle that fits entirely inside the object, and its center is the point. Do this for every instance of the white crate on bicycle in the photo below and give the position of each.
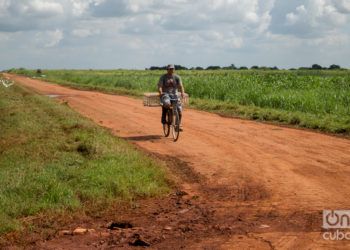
(153, 100)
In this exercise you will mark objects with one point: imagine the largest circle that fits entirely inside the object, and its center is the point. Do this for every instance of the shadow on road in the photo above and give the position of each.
(143, 138)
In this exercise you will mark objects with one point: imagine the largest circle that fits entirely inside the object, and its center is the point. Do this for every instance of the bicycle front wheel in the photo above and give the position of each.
(176, 125)
(166, 126)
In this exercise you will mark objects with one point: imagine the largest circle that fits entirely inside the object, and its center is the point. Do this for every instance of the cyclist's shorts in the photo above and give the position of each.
(165, 100)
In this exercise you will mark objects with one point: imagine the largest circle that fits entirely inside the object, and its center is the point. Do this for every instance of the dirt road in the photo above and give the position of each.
(250, 185)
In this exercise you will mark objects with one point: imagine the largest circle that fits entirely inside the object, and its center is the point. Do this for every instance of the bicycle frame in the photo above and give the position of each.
(174, 118)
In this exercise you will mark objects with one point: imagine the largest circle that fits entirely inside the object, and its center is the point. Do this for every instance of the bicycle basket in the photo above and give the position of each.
(153, 99)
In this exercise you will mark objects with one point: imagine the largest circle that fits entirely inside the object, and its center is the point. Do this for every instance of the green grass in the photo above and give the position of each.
(53, 160)
(326, 123)
(306, 98)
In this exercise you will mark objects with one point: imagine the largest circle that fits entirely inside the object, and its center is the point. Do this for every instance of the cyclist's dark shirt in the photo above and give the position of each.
(170, 83)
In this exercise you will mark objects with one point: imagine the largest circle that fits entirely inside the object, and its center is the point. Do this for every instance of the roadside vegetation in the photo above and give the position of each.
(316, 98)
(53, 161)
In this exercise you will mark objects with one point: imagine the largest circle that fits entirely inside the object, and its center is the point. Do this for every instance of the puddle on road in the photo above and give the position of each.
(53, 95)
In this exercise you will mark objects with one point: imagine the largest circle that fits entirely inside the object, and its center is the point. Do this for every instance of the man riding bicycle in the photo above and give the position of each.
(168, 87)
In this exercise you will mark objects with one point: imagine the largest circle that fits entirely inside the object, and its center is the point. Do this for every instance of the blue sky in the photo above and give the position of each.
(136, 34)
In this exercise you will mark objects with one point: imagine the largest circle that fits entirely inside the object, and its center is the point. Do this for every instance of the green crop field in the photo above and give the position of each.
(306, 98)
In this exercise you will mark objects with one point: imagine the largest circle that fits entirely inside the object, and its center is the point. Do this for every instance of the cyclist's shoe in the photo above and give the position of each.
(181, 128)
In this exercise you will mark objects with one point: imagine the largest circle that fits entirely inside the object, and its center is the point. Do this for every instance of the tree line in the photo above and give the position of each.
(233, 67)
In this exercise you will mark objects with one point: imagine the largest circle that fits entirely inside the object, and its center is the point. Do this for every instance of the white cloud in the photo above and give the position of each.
(342, 6)
(111, 8)
(80, 7)
(141, 24)
(293, 18)
(55, 37)
(49, 39)
(251, 17)
(264, 23)
(29, 15)
(136, 44)
(331, 40)
(4, 37)
(83, 32)
(315, 18)
(42, 8)
(235, 43)
(4, 4)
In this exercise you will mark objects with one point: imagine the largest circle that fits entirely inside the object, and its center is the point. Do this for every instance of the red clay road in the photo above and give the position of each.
(282, 177)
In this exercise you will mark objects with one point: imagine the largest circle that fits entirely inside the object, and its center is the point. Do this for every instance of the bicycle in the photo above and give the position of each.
(172, 120)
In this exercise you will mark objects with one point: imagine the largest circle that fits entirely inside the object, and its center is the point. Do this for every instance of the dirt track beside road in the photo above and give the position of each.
(258, 185)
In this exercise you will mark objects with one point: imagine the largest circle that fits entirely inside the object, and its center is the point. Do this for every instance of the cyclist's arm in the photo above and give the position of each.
(182, 89)
(160, 86)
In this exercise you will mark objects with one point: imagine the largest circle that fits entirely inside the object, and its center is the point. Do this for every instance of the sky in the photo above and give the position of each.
(137, 34)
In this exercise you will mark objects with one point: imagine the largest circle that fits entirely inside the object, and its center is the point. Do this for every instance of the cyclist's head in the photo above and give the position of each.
(170, 68)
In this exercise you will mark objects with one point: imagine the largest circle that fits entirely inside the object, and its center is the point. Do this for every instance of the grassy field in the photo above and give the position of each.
(309, 98)
(54, 161)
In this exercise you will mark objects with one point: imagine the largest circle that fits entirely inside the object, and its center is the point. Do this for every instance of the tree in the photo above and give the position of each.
(255, 67)
(232, 66)
(334, 66)
(316, 66)
(157, 68)
(243, 68)
(179, 67)
(213, 68)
